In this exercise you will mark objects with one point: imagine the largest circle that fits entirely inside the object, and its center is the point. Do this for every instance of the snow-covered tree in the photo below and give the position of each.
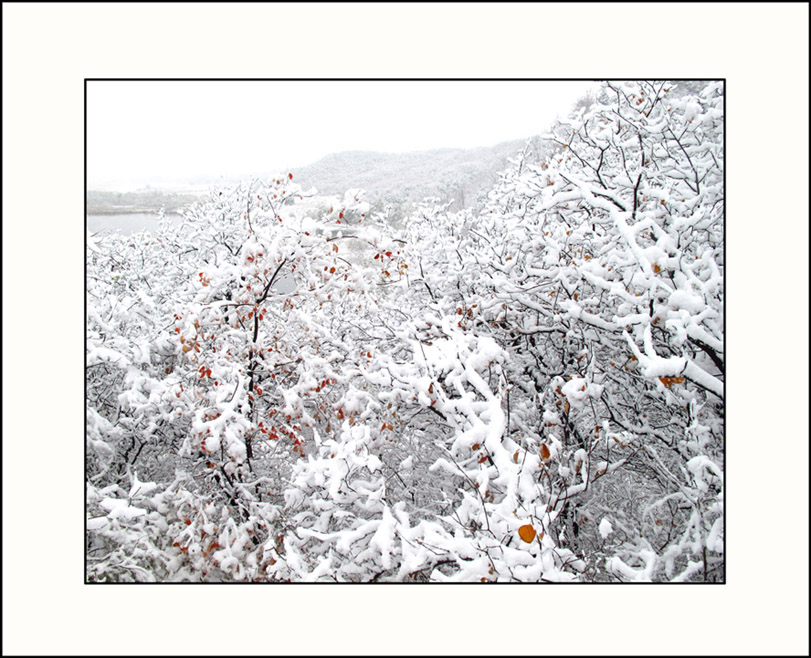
(528, 391)
(608, 260)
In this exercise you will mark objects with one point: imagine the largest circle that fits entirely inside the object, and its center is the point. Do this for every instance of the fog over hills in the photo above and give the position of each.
(451, 174)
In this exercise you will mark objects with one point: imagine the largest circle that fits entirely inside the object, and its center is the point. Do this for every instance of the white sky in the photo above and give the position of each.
(166, 132)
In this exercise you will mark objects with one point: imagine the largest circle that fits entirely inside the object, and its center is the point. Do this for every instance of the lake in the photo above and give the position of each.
(126, 223)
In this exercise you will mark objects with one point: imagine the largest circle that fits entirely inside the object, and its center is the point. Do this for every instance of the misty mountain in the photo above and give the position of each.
(452, 174)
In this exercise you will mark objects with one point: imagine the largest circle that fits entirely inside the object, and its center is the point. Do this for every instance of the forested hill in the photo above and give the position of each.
(450, 173)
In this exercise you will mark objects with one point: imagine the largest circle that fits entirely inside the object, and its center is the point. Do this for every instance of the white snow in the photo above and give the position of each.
(605, 528)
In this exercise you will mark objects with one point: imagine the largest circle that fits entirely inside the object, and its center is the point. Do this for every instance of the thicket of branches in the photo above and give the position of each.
(532, 391)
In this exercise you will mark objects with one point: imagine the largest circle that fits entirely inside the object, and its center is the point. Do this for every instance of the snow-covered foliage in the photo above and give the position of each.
(532, 391)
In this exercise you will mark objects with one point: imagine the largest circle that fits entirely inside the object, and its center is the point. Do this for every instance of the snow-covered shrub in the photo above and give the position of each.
(530, 391)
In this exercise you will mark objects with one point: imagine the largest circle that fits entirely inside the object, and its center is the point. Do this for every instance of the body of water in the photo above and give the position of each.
(126, 223)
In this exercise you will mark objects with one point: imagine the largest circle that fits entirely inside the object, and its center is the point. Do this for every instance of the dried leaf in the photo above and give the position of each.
(527, 533)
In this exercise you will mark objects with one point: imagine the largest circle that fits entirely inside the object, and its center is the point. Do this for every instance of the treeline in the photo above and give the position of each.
(99, 202)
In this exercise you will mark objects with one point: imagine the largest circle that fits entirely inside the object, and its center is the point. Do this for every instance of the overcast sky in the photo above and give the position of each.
(141, 133)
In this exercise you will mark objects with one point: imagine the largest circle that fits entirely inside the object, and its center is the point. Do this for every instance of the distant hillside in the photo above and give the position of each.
(103, 202)
(456, 175)
(452, 174)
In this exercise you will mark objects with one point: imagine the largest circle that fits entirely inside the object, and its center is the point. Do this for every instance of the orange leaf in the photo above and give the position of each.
(545, 454)
(527, 533)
